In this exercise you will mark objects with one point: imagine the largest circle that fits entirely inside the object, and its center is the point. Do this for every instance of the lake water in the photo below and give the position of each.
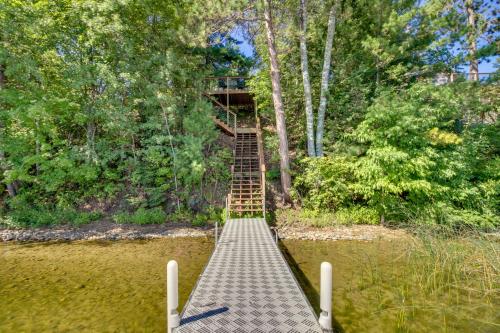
(119, 286)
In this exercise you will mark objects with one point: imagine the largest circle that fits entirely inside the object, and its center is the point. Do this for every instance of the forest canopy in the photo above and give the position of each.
(103, 115)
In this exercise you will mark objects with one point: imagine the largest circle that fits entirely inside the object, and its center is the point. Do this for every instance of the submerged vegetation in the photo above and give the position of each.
(418, 284)
(414, 284)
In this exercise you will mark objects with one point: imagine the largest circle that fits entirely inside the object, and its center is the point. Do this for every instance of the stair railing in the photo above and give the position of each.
(262, 165)
(223, 113)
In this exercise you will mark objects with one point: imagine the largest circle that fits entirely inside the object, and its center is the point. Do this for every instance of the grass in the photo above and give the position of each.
(455, 278)
(425, 282)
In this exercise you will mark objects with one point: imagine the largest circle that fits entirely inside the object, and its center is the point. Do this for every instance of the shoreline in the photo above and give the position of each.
(103, 231)
(113, 231)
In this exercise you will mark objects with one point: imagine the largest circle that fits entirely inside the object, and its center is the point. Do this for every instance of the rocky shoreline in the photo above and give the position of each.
(342, 232)
(102, 231)
(113, 231)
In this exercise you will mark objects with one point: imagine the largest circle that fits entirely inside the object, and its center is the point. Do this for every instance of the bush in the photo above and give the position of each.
(142, 216)
(357, 215)
(420, 162)
(39, 217)
(323, 183)
(199, 220)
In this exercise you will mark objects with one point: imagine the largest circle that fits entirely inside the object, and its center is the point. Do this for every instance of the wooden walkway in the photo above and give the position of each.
(247, 286)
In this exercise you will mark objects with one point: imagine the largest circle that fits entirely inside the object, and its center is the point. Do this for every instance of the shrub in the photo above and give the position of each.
(357, 215)
(29, 217)
(419, 162)
(142, 216)
(323, 183)
(199, 220)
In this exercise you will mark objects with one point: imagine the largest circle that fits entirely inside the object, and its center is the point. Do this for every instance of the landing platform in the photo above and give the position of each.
(247, 286)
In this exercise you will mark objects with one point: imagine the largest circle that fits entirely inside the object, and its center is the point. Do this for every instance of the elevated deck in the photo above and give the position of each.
(247, 286)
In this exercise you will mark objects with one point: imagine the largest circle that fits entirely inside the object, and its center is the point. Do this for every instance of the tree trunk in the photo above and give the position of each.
(471, 40)
(2, 76)
(278, 103)
(11, 189)
(305, 78)
(325, 78)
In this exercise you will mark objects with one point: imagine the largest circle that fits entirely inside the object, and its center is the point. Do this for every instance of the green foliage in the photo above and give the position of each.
(39, 216)
(142, 216)
(199, 220)
(212, 216)
(323, 183)
(420, 162)
(102, 102)
(273, 174)
(357, 215)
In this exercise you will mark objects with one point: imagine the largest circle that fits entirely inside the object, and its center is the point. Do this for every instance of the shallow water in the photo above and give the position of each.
(94, 286)
(104, 286)
(387, 286)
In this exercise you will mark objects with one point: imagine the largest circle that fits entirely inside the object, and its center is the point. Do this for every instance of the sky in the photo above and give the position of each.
(487, 66)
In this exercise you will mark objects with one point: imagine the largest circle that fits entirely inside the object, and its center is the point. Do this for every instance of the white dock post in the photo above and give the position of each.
(172, 295)
(325, 317)
(216, 232)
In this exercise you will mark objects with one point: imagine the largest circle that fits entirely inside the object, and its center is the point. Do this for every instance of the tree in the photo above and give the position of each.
(277, 100)
(325, 77)
(10, 186)
(305, 78)
(81, 89)
(471, 39)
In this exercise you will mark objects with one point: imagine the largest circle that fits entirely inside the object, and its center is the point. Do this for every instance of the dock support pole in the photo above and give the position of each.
(216, 232)
(173, 318)
(325, 317)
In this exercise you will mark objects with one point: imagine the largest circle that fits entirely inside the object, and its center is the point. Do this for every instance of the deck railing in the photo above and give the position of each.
(222, 84)
(444, 78)
(222, 113)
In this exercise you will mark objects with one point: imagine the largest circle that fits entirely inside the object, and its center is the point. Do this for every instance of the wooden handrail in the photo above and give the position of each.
(229, 123)
(262, 165)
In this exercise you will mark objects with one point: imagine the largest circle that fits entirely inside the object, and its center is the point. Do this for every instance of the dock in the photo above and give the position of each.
(247, 286)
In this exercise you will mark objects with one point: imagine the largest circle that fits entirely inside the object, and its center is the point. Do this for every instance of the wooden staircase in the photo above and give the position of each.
(248, 183)
(224, 118)
(247, 196)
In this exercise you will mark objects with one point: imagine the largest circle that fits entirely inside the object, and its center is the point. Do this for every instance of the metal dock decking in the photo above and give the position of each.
(247, 286)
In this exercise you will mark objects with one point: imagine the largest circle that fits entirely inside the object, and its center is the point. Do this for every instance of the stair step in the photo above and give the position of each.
(246, 203)
(247, 210)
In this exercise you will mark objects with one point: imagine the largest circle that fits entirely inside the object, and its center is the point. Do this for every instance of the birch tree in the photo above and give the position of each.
(325, 75)
(305, 78)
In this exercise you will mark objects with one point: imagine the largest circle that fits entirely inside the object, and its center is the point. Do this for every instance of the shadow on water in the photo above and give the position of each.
(311, 293)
